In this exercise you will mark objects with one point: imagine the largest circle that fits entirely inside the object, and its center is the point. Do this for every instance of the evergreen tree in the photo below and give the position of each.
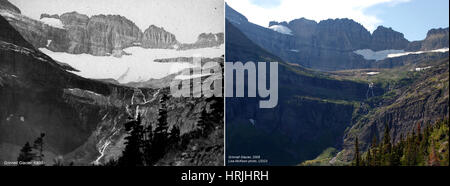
(26, 154)
(160, 135)
(374, 158)
(207, 122)
(148, 140)
(386, 146)
(174, 135)
(433, 159)
(386, 140)
(204, 123)
(417, 149)
(133, 153)
(394, 158)
(217, 107)
(357, 155)
(38, 145)
(421, 150)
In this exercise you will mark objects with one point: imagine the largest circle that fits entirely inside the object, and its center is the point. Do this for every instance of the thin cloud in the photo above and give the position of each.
(316, 10)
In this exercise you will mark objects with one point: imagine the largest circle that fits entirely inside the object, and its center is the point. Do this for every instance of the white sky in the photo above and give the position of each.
(317, 10)
(184, 18)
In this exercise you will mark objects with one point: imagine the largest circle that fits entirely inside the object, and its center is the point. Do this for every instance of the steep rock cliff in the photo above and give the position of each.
(155, 37)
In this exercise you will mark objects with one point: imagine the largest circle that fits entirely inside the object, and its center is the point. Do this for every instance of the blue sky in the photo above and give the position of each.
(267, 3)
(411, 17)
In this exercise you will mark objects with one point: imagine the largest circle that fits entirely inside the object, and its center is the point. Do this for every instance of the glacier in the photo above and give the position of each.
(139, 66)
(281, 29)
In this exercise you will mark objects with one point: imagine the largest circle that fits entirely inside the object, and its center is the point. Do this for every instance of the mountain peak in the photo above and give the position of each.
(234, 16)
(6, 5)
(386, 38)
(341, 21)
(157, 37)
(302, 21)
(436, 31)
(272, 23)
(55, 16)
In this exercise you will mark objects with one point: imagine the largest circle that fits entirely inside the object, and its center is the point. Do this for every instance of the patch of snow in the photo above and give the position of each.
(48, 43)
(81, 90)
(138, 67)
(281, 29)
(372, 73)
(22, 119)
(294, 50)
(418, 69)
(369, 54)
(418, 52)
(6, 13)
(184, 77)
(53, 22)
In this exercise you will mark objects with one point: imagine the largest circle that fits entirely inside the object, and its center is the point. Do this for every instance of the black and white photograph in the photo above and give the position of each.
(87, 83)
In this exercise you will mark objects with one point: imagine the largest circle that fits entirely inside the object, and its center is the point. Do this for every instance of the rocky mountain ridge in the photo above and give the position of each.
(6, 5)
(99, 35)
(329, 45)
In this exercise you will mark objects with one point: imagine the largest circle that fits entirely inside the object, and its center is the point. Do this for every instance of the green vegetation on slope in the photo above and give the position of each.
(326, 158)
(420, 148)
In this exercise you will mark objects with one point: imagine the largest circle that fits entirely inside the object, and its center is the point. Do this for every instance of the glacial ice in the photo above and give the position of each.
(281, 29)
(137, 67)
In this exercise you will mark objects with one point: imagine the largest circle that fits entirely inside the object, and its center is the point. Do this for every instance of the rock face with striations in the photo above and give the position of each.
(342, 34)
(54, 16)
(205, 40)
(6, 5)
(109, 34)
(99, 35)
(303, 28)
(209, 40)
(37, 33)
(76, 25)
(385, 38)
(436, 39)
(156, 37)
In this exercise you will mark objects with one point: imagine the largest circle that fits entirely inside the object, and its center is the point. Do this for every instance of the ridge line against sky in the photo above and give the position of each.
(413, 18)
(184, 18)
